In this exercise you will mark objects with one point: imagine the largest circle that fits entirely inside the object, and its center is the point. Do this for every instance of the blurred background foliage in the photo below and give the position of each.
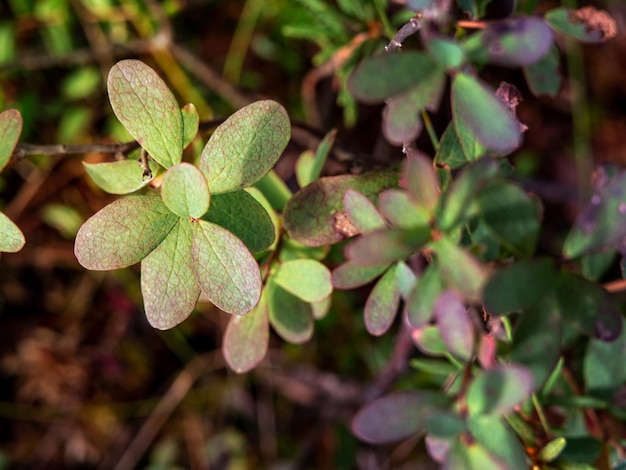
(85, 381)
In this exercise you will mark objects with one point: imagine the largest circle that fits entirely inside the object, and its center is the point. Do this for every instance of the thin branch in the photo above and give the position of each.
(409, 29)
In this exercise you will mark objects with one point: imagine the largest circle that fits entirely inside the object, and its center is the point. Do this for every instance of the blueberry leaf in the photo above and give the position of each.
(307, 279)
(290, 316)
(11, 237)
(148, 110)
(382, 304)
(191, 122)
(184, 191)
(10, 130)
(122, 177)
(499, 389)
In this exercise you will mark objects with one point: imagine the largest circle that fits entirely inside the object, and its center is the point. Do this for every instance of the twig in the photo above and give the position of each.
(409, 29)
(172, 398)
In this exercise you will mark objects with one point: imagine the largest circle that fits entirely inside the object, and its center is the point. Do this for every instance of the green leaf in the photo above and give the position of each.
(122, 177)
(246, 338)
(457, 201)
(405, 279)
(476, 107)
(447, 52)
(450, 151)
(244, 148)
(148, 110)
(498, 390)
(552, 449)
(382, 304)
(307, 279)
(428, 340)
(191, 122)
(401, 116)
(519, 286)
(123, 233)
(497, 437)
(588, 307)
(512, 215)
(460, 270)
(544, 77)
(11, 237)
(517, 41)
(603, 366)
(361, 212)
(311, 215)
(471, 456)
(445, 425)
(573, 23)
(421, 302)
(421, 181)
(350, 275)
(10, 130)
(379, 77)
(455, 325)
(274, 189)
(396, 416)
(169, 288)
(291, 317)
(602, 223)
(225, 269)
(310, 165)
(384, 246)
(240, 213)
(400, 211)
(184, 191)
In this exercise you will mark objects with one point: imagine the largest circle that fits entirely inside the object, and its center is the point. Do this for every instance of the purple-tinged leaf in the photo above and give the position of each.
(544, 76)
(476, 107)
(437, 448)
(517, 41)
(246, 338)
(321, 308)
(122, 177)
(519, 286)
(256, 229)
(350, 275)
(191, 122)
(499, 389)
(225, 269)
(396, 416)
(460, 270)
(11, 237)
(184, 191)
(291, 317)
(385, 246)
(588, 307)
(602, 223)
(455, 325)
(421, 180)
(586, 24)
(310, 164)
(401, 117)
(169, 288)
(400, 211)
(421, 302)
(245, 147)
(123, 233)
(10, 130)
(314, 215)
(148, 110)
(382, 304)
(361, 212)
(380, 77)
(307, 279)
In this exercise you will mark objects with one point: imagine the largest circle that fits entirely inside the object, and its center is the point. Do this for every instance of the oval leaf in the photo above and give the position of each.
(291, 317)
(382, 304)
(169, 288)
(498, 390)
(421, 302)
(494, 433)
(244, 148)
(10, 130)
(470, 455)
(246, 338)
(307, 279)
(225, 269)
(11, 237)
(185, 191)
(361, 212)
(240, 213)
(350, 275)
(385, 246)
(123, 233)
(475, 107)
(396, 416)
(603, 366)
(517, 41)
(312, 215)
(421, 181)
(455, 325)
(191, 122)
(123, 177)
(544, 76)
(377, 78)
(586, 25)
(400, 211)
(148, 110)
